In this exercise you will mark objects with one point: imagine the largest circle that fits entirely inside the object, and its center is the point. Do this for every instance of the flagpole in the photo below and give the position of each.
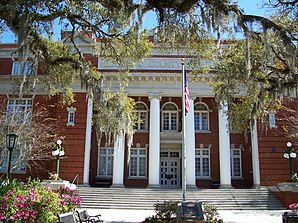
(183, 135)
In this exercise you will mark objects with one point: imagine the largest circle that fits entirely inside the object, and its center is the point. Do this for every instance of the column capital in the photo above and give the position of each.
(152, 95)
(193, 96)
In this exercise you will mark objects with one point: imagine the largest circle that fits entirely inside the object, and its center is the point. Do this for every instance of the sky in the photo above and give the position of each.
(249, 6)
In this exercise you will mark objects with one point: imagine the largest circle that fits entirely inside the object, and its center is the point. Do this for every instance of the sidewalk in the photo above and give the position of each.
(134, 216)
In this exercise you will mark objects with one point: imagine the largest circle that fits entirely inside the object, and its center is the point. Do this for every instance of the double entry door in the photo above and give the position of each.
(170, 169)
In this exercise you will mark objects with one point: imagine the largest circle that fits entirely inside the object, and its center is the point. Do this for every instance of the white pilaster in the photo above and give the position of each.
(224, 147)
(154, 140)
(88, 141)
(255, 154)
(118, 162)
(190, 146)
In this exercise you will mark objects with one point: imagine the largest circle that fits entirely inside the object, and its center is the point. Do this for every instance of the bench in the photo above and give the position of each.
(84, 217)
(67, 217)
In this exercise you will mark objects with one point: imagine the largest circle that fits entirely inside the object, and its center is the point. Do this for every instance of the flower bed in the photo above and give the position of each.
(31, 202)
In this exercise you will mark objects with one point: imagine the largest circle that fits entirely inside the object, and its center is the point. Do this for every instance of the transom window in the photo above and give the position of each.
(170, 117)
(236, 166)
(142, 113)
(20, 109)
(202, 162)
(105, 162)
(201, 117)
(138, 161)
(28, 68)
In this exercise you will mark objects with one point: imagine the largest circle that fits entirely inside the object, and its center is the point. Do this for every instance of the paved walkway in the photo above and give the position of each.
(134, 216)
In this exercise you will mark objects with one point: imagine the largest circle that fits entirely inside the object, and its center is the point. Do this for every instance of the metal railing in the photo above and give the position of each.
(76, 179)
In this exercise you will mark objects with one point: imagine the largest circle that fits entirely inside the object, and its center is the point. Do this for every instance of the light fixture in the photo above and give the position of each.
(11, 141)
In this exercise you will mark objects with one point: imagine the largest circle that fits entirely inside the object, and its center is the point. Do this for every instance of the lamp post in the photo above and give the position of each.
(11, 140)
(58, 151)
(290, 154)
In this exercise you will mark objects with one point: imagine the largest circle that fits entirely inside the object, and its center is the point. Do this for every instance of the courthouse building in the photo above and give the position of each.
(215, 156)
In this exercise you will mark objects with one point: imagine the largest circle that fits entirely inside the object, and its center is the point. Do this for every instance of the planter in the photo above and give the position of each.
(56, 184)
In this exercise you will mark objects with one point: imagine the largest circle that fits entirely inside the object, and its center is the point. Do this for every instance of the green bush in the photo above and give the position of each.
(166, 212)
(31, 202)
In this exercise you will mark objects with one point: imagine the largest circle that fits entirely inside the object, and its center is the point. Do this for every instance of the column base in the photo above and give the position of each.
(153, 186)
(85, 185)
(117, 186)
(191, 187)
(226, 186)
(257, 186)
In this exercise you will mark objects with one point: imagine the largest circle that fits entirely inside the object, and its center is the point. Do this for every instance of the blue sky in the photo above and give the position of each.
(249, 7)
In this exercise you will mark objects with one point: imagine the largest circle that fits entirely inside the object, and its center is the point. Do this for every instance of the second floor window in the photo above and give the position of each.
(28, 68)
(201, 116)
(170, 117)
(20, 109)
(142, 113)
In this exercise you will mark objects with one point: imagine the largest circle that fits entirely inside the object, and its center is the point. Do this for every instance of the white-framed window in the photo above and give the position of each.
(138, 162)
(202, 162)
(272, 123)
(170, 117)
(20, 109)
(201, 117)
(71, 116)
(18, 161)
(28, 68)
(142, 113)
(236, 163)
(105, 161)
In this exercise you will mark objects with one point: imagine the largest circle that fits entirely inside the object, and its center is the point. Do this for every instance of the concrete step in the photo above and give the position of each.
(223, 199)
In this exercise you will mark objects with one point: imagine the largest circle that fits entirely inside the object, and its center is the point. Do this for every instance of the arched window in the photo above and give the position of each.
(201, 117)
(170, 117)
(142, 113)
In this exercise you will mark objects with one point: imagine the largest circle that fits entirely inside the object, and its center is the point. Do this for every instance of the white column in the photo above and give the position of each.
(224, 146)
(255, 154)
(190, 147)
(154, 140)
(88, 141)
(118, 162)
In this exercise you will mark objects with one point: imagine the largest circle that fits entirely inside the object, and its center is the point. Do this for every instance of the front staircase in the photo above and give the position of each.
(144, 199)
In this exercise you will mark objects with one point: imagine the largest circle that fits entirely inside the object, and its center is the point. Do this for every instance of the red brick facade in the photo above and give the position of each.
(272, 142)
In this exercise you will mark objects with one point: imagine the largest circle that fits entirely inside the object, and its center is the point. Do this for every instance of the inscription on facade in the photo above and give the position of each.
(147, 64)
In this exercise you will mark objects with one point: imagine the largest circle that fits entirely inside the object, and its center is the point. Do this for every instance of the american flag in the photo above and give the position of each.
(186, 94)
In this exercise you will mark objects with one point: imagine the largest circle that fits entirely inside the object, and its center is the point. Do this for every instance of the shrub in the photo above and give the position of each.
(166, 212)
(31, 202)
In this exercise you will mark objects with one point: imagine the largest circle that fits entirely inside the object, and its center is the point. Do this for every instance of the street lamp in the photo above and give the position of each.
(58, 151)
(290, 154)
(11, 140)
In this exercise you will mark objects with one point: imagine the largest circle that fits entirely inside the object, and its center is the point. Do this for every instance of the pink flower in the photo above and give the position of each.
(294, 207)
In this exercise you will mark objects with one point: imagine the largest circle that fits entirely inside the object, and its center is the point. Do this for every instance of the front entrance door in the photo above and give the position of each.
(170, 169)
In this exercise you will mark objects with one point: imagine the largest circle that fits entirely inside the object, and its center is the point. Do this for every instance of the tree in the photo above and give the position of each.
(35, 131)
(183, 24)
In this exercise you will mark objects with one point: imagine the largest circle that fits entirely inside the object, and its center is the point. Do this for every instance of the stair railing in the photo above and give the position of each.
(273, 183)
(76, 179)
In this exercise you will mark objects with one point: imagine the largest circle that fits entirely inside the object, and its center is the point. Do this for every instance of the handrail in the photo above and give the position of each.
(76, 179)
(274, 184)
